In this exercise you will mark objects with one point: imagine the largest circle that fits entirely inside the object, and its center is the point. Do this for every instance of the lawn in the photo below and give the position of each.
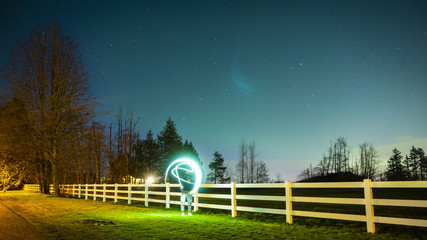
(71, 218)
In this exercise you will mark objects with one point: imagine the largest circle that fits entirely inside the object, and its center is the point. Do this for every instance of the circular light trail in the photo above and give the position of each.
(188, 165)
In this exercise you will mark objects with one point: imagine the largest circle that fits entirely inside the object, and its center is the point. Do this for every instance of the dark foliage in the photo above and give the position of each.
(335, 177)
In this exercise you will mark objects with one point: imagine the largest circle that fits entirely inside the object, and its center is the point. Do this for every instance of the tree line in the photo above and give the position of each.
(49, 134)
(247, 169)
(336, 161)
(337, 164)
(412, 167)
(48, 131)
(131, 157)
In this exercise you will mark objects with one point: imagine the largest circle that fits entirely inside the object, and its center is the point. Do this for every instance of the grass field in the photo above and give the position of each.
(70, 218)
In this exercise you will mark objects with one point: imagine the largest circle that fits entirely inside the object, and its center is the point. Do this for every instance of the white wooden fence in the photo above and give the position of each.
(133, 192)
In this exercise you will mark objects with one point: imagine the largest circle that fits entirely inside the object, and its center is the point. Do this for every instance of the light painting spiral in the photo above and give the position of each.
(188, 165)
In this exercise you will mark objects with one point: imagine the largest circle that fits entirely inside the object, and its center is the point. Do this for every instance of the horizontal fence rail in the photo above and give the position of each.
(162, 193)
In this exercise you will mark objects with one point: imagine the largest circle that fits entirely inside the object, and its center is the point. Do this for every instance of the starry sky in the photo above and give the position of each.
(292, 76)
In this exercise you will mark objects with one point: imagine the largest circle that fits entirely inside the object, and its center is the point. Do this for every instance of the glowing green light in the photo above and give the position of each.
(188, 165)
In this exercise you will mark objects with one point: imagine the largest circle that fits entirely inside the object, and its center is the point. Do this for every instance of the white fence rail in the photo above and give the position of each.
(141, 192)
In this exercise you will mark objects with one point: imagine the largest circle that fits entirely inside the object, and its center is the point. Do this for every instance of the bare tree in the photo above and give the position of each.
(278, 178)
(247, 168)
(341, 151)
(336, 160)
(304, 175)
(46, 73)
(242, 163)
(368, 160)
(98, 148)
(228, 172)
(252, 162)
(322, 168)
(261, 172)
(130, 125)
(124, 164)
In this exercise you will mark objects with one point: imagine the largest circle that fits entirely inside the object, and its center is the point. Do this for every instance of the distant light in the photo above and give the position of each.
(150, 180)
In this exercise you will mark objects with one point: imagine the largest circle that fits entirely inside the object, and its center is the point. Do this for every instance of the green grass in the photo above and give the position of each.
(71, 218)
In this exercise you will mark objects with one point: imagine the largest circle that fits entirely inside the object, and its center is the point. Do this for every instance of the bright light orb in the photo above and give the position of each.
(189, 165)
(150, 180)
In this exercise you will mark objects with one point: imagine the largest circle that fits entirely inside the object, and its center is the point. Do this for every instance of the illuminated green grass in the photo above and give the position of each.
(69, 218)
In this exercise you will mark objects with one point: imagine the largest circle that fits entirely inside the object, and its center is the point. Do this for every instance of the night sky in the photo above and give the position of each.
(290, 75)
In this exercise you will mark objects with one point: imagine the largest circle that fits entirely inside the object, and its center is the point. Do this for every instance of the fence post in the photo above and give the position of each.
(233, 199)
(129, 193)
(74, 191)
(196, 201)
(168, 196)
(86, 191)
(146, 194)
(104, 193)
(369, 208)
(116, 188)
(94, 191)
(288, 191)
(80, 190)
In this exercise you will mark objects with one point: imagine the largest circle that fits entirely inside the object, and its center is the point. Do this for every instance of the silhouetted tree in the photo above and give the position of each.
(323, 167)
(340, 157)
(124, 165)
(218, 170)
(407, 168)
(147, 155)
(395, 168)
(251, 162)
(248, 169)
(189, 150)
(261, 172)
(415, 165)
(170, 145)
(423, 164)
(47, 75)
(241, 167)
(368, 160)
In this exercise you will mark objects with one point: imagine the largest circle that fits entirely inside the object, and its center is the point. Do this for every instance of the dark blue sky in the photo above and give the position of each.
(290, 75)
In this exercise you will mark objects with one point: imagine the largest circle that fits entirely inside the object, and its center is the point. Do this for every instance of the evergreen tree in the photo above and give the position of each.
(423, 164)
(407, 168)
(188, 150)
(170, 145)
(218, 174)
(414, 163)
(395, 170)
(147, 155)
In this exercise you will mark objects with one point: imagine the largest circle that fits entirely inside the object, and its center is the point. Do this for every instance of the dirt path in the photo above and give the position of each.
(14, 226)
